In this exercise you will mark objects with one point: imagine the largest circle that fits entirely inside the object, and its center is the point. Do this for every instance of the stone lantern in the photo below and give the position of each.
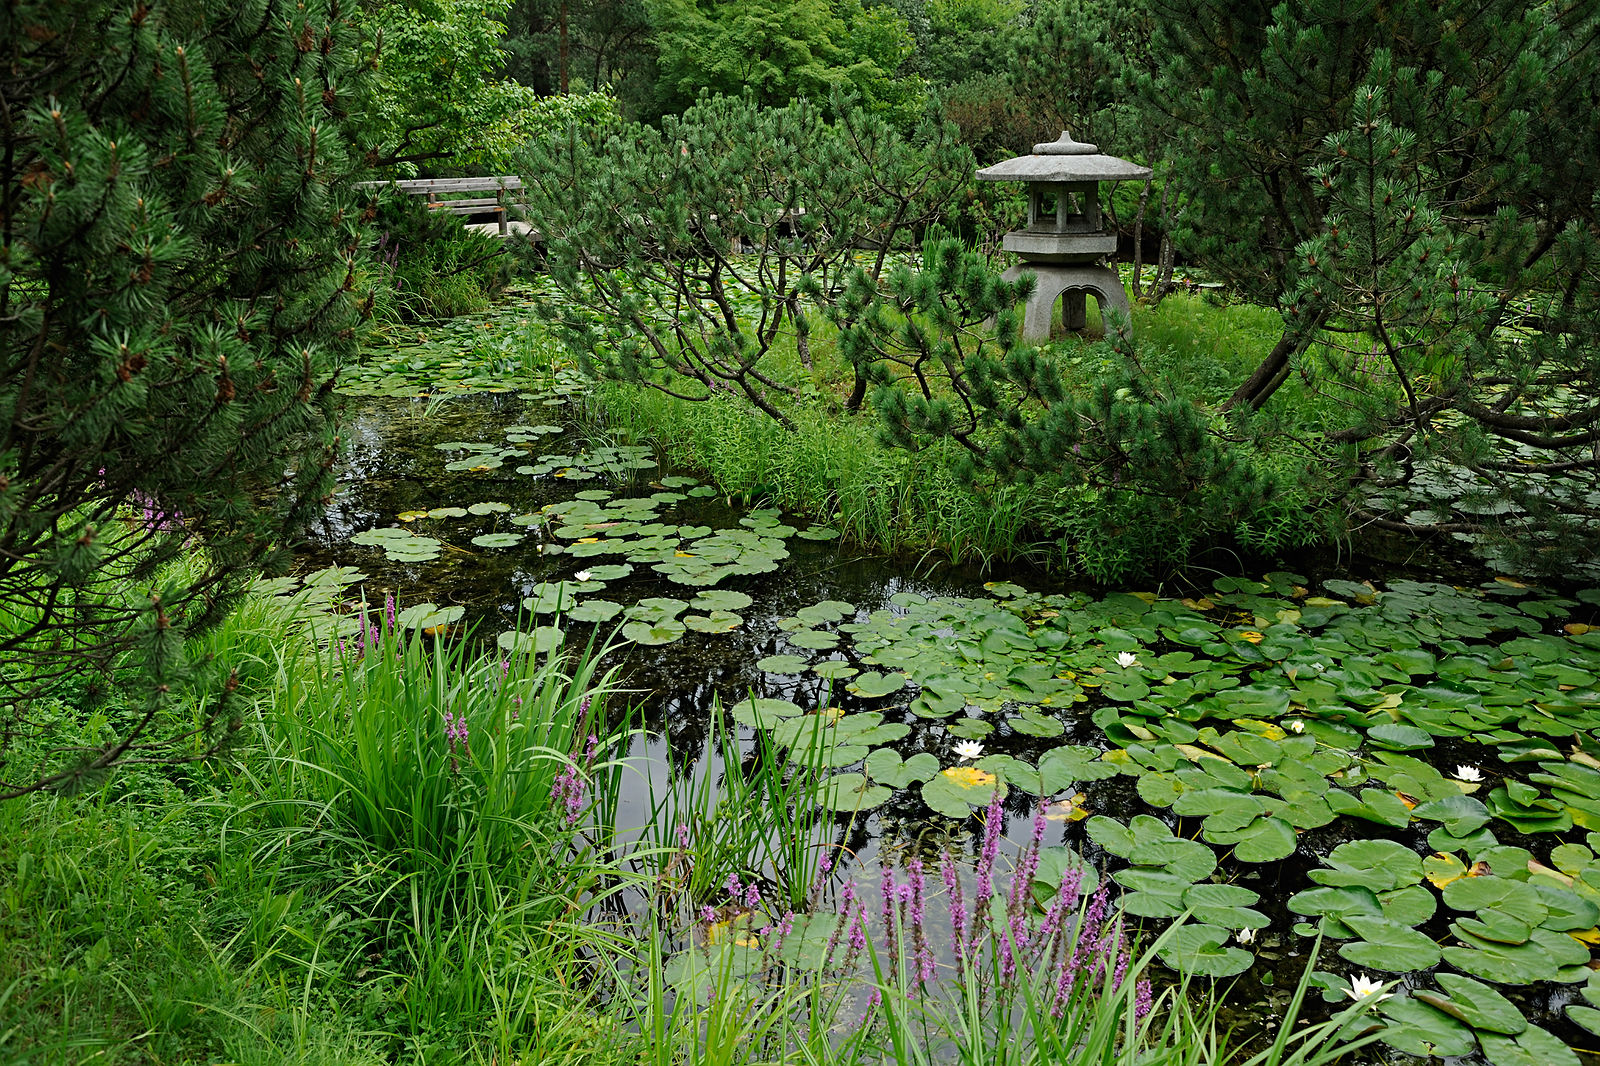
(1065, 237)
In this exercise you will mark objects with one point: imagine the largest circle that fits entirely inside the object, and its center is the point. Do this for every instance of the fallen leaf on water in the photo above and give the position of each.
(1071, 809)
(970, 777)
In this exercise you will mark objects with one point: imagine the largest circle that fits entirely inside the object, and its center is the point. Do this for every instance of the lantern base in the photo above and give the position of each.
(1074, 281)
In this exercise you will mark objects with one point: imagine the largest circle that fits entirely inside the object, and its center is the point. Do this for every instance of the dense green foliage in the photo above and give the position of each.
(646, 232)
(177, 291)
(1422, 205)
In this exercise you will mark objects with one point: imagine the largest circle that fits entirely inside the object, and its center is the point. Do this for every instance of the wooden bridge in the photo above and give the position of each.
(461, 201)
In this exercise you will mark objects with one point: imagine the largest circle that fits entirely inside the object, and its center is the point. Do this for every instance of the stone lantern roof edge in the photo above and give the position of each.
(1064, 168)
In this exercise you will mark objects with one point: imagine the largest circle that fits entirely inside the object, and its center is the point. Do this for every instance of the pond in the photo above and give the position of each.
(1408, 767)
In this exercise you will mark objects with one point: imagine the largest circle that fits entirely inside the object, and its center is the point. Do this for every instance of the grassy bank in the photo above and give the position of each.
(833, 466)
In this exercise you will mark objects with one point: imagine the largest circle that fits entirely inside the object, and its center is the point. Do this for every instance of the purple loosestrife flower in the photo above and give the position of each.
(958, 912)
(388, 611)
(735, 888)
(1143, 999)
(846, 898)
(1092, 926)
(858, 936)
(568, 791)
(919, 931)
(887, 885)
(1120, 972)
(993, 824)
(752, 897)
(683, 836)
(707, 914)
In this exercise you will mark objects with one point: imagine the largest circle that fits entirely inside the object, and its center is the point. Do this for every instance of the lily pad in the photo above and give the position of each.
(595, 611)
(428, 616)
(1388, 946)
(783, 664)
(872, 685)
(1202, 950)
(498, 540)
(652, 633)
(852, 792)
(715, 622)
(956, 791)
(540, 639)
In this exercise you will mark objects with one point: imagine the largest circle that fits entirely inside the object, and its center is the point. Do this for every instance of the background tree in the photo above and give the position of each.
(438, 97)
(180, 279)
(690, 244)
(780, 50)
(1421, 204)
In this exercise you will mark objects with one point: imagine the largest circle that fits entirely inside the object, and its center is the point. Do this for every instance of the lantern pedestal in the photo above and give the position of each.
(1066, 237)
(1069, 283)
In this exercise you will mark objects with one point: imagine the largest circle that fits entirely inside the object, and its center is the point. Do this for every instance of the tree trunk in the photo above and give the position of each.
(564, 46)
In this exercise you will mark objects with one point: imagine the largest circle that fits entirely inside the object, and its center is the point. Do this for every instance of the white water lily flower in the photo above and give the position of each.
(1361, 987)
(1295, 725)
(582, 575)
(1126, 659)
(1245, 936)
(1470, 774)
(968, 749)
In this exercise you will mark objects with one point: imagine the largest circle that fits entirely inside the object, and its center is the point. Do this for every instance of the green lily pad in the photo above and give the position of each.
(872, 685)
(498, 540)
(1515, 898)
(816, 640)
(957, 791)
(594, 611)
(664, 632)
(1415, 1028)
(428, 616)
(1202, 950)
(1188, 859)
(720, 600)
(852, 792)
(1230, 906)
(833, 669)
(715, 622)
(1387, 946)
(762, 713)
(1532, 1047)
(885, 766)
(782, 664)
(540, 639)
(609, 572)
(1479, 1005)
(1378, 865)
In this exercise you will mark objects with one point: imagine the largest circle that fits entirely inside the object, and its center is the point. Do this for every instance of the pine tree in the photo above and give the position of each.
(180, 256)
(1416, 186)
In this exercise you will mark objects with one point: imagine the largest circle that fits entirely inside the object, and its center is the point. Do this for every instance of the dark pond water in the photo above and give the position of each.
(395, 467)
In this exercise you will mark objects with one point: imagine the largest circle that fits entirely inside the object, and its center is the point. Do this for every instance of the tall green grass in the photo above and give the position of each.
(830, 467)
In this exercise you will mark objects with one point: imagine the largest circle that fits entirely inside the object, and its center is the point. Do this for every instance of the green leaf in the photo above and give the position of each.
(1202, 950)
(653, 632)
(1416, 1028)
(1481, 1006)
(1387, 946)
(540, 639)
(852, 792)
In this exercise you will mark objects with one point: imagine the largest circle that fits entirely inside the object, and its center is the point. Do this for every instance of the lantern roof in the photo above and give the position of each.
(1064, 160)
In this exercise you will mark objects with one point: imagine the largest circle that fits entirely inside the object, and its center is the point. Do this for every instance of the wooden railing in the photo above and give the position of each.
(432, 188)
